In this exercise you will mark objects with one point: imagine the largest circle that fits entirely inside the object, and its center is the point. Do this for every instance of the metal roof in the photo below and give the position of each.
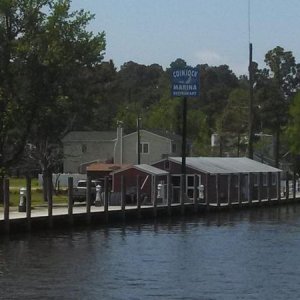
(225, 165)
(145, 168)
(150, 169)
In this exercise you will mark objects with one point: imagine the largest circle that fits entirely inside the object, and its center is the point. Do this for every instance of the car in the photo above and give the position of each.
(79, 192)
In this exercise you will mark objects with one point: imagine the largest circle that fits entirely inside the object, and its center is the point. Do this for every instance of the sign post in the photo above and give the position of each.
(185, 83)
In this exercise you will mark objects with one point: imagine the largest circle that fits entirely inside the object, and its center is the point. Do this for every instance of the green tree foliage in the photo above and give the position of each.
(293, 129)
(233, 122)
(276, 85)
(46, 58)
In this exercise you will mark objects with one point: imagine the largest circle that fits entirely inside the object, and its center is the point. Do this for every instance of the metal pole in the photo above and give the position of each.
(250, 137)
(183, 149)
(138, 141)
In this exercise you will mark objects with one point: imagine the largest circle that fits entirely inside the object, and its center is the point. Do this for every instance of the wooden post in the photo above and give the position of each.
(106, 191)
(182, 192)
(196, 192)
(294, 185)
(6, 204)
(50, 200)
(206, 190)
(88, 200)
(123, 196)
(169, 198)
(250, 187)
(70, 200)
(259, 183)
(229, 178)
(287, 186)
(28, 202)
(269, 181)
(218, 189)
(278, 186)
(154, 194)
(240, 189)
(138, 195)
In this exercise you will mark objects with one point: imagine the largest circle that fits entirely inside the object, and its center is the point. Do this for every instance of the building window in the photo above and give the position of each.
(265, 179)
(83, 148)
(176, 180)
(144, 148)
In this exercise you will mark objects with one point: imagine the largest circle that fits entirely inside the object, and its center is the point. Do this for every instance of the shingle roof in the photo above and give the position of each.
(225, 165)
(104, 167)
(90, 136)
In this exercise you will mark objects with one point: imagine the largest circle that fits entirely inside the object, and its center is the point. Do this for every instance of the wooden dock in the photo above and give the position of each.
(51, 216)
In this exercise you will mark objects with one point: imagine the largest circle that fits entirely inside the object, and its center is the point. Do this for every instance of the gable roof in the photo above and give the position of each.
(85, 136)
(225, 165)
(145, 168)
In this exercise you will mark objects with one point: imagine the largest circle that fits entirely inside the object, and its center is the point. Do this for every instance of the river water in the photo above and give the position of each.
(252, 254)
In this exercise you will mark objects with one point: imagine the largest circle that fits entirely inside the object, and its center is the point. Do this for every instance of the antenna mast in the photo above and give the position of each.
(250, 125)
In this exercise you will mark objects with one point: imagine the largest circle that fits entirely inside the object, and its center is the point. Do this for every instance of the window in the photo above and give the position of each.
(83, 148)
(265, 179)
(176, 180)
(144, 148)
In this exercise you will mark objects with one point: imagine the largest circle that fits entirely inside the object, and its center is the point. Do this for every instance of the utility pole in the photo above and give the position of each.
(138, 141)
(250, 125)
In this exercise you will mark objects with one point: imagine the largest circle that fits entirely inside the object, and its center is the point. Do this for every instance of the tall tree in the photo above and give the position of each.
(281, 81)
(46, 55)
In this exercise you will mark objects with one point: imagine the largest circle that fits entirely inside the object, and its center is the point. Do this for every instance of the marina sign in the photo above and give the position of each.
(185, 82)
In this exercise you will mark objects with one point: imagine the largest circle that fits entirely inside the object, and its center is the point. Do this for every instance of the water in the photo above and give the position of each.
(240, 255)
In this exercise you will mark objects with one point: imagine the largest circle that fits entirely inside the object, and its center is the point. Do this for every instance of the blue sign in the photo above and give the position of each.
(185, 82)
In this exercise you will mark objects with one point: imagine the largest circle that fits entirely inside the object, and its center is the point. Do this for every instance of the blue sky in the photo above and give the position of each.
(198, 31)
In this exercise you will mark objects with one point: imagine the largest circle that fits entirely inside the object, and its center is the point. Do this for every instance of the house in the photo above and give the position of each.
(229, 171)
(153, 146)
(149, 176)
(81, 148)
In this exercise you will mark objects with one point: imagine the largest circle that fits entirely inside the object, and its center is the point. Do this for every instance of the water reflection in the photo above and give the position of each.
(249, 254)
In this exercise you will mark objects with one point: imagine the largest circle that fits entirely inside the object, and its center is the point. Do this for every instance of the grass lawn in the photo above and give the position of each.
(36, 193)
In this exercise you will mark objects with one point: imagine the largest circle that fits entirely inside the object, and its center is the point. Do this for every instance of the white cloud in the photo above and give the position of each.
(209, 57)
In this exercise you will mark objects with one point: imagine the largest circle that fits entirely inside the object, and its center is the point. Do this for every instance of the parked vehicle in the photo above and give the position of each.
(79, 192)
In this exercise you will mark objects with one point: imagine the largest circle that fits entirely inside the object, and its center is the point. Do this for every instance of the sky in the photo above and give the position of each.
(199, 31)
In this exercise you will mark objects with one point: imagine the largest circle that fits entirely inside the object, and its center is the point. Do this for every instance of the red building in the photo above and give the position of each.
(223, 177)
(149, 176)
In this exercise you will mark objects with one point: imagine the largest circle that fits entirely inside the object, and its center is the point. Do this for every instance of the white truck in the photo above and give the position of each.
(79, 192)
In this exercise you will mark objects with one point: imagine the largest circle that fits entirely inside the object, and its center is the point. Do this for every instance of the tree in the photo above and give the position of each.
(278, 84)
(293, 128)
(46, 61)
(233, 121)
